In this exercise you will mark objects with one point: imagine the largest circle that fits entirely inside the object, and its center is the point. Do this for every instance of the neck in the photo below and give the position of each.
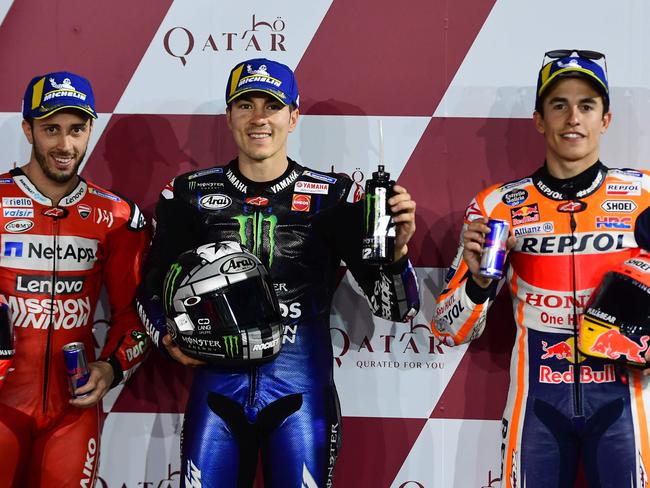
(261, 171)
(568, 169)
(53, 190)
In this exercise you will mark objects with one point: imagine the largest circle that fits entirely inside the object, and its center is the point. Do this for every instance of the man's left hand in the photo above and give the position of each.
(403, 210)
(101, 378)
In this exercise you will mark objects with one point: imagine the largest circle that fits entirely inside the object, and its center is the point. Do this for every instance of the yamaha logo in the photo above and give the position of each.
(215, 201)
(237, 264)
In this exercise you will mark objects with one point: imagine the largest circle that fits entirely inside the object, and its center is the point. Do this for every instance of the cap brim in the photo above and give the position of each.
(574, 72)
(262, 90)
(62, 107)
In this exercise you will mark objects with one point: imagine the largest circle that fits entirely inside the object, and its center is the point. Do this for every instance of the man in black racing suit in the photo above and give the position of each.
(301, 224)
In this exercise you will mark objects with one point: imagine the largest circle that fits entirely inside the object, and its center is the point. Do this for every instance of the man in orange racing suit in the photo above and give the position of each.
(61, 238)
(570, 222)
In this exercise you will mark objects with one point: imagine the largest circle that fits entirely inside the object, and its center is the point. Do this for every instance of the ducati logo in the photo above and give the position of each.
(84, 211)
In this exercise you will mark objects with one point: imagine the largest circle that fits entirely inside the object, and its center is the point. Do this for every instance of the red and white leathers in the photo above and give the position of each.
(562, 408)
(53, 263)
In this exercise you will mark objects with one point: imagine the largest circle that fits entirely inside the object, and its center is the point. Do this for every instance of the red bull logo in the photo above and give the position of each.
(613, 344)
(525, 214)
(561, 350)
(587, 375)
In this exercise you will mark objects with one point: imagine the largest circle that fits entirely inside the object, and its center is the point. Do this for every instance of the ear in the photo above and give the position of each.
(293, 119)
(607, 119)
(27, 130)
(539, 122)
(228, 118)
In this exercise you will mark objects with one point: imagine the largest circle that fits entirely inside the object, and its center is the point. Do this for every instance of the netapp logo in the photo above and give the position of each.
(37, 252)
(64, 285)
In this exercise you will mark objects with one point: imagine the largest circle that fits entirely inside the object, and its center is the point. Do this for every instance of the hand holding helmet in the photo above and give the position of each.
(616, 322)
(221, 307)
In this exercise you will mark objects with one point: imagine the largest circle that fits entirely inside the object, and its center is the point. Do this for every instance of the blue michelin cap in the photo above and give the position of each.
(263, 75)
(47, 94)
(572, 66)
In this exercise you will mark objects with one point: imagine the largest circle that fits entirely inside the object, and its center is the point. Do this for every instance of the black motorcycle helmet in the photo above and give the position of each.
(616, 323)
(221, 306)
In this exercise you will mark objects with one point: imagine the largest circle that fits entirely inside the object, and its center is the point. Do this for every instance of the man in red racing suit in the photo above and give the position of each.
(61, 238)
(570, 221)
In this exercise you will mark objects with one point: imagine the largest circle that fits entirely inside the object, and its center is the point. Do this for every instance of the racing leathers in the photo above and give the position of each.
(300, 225)
(562, 407)
(53, 262)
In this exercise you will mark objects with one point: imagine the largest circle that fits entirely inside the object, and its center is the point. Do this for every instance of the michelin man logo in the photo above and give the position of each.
(65, 85)
(259, 71)
(571, 64)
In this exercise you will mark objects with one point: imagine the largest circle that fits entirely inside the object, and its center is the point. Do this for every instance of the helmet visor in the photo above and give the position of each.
(248, 304)
(624, 301)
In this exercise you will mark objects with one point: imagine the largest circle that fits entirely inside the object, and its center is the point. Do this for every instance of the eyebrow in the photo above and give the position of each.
(591, 100)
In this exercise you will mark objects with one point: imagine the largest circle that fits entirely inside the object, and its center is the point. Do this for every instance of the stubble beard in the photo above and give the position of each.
(61, 176)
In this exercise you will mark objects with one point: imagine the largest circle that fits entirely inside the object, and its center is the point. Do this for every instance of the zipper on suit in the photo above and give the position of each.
(50, 328)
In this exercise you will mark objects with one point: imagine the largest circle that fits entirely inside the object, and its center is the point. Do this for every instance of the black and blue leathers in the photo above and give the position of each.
(301, 226)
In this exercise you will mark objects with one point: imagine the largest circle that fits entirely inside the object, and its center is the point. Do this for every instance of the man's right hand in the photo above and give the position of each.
(473, 239)
(175, 352)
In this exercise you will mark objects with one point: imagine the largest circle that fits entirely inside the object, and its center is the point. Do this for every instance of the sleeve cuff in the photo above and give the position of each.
(397, 267)
(477, 294)
(118, 374)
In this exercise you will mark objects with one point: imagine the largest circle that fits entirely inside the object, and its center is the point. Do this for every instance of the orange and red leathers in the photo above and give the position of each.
(53, 263)
(562, 407)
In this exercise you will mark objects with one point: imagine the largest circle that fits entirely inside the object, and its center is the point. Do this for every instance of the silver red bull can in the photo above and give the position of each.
(76, 365)
(493, 257)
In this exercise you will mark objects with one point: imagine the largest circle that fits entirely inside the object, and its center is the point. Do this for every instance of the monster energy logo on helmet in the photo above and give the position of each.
(231, 342)
(258, 222)
(168, 287)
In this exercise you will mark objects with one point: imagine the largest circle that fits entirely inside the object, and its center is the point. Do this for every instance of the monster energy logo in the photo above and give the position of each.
(168, 287)
(259, 224)
(232, 345)
(369, 205)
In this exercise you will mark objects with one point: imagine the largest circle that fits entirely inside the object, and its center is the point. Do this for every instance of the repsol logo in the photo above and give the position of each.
(266, 345)
(64, 285)
(566, 244)
(237, 264)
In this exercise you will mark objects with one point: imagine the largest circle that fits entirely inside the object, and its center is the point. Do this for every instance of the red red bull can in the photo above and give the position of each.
(493, 257)
(76, 365)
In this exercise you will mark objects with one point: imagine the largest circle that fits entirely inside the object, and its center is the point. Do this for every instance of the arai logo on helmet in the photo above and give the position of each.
(237, 264)
(215, 201)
